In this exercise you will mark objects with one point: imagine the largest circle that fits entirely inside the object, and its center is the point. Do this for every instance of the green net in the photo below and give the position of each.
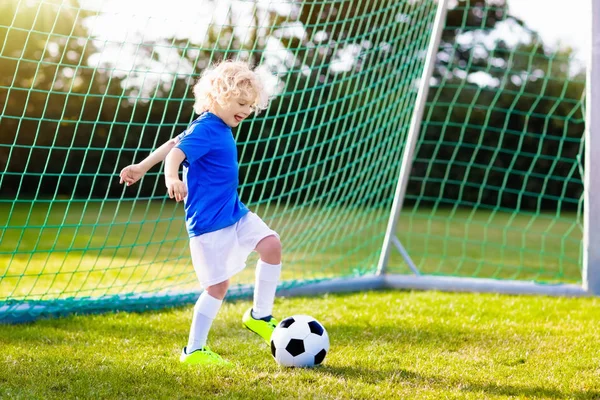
(89, 87)
(496, 189)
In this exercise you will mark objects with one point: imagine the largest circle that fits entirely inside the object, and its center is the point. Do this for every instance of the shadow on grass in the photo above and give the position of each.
(443, 384)
(150, 326)
(160, 374)
(120, 325)
(402, 333)
(527, 392)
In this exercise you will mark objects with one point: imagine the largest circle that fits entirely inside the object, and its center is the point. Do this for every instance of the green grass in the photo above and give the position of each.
(73, 249)
(384, 345)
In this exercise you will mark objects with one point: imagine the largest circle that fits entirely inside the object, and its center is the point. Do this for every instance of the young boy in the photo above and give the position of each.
(222, 231)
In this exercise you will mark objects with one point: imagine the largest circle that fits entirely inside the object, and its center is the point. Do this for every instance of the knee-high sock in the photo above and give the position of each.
(205, 311)
(267, 276)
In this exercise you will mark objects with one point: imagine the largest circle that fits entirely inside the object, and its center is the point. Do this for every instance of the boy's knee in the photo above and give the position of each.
(270, 250)
(219, 290)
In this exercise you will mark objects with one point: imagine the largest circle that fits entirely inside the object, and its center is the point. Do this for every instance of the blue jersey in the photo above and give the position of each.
(210, 171)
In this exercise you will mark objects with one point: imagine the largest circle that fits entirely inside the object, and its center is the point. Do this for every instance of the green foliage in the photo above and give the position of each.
(68, 125)
(512, 138)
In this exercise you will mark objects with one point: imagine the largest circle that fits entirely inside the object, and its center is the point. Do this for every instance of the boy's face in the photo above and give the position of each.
(235, 111)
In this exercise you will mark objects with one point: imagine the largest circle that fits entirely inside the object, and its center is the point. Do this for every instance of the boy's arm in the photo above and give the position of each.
(175, 186)
(134, 172)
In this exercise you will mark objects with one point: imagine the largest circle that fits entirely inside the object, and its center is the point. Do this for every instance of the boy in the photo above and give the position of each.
(222, 231)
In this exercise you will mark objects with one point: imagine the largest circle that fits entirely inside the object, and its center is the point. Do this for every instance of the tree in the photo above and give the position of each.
(504, 122)
(55, 104)
(348, 70)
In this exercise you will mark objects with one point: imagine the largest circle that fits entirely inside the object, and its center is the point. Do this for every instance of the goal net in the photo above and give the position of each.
(87, 87)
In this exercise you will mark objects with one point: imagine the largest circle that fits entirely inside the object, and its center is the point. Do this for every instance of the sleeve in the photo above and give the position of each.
(194, 143)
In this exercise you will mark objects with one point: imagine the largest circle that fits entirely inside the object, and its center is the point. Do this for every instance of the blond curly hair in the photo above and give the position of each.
(226, 80)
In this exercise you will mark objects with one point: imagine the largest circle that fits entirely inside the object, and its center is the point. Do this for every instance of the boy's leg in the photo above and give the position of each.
(268, 269)
(205, 311)
(267, 277)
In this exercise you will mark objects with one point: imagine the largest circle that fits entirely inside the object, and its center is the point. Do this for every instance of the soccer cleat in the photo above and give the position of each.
(263, 327)
(203, 356)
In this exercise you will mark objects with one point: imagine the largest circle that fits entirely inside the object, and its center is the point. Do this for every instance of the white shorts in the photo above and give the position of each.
(219, 255)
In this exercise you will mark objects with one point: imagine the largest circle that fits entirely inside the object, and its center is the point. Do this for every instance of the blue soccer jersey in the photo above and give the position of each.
(210, 171)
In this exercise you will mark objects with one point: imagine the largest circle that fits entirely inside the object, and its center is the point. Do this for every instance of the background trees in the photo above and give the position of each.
(70, 120)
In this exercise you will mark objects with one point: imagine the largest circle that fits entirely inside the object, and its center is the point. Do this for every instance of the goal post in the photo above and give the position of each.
(478, 137)
(591, 236)
(409, 147)
(591, 256)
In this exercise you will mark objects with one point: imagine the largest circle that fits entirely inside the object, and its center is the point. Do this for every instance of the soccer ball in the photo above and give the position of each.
(299, 341)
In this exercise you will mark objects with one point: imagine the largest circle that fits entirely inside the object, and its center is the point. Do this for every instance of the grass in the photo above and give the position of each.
(384, 345)
(73, 249)
(94, 249)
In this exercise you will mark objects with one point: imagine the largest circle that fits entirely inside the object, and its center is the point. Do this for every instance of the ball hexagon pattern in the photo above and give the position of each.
(299, 341)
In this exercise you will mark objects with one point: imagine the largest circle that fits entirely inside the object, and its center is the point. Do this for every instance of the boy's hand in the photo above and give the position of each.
(176, 188)
(131, 174)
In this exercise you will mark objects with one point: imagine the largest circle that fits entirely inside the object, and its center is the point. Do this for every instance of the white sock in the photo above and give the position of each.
(205, 311)
(267, 276)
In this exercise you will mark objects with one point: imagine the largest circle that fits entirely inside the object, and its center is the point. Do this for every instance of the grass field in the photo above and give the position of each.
(66, 249)
(384, 345)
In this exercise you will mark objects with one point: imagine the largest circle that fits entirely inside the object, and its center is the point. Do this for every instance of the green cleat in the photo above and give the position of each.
(263, 327)
(203, 356)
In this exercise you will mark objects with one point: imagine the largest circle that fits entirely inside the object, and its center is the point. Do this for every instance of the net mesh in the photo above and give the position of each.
(90, 86)
(496, 189)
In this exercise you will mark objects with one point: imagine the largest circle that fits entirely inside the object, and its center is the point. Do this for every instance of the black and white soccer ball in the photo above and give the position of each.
(299, 341)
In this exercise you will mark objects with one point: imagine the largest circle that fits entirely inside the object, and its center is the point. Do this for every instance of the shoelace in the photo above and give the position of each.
(210, 353)
(272, 323)
(269, 320)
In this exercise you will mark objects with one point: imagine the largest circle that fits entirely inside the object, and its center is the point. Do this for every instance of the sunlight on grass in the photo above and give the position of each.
(63, 250)
(384, 345)
(53, 276)
(493, 245)
(67, 249)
